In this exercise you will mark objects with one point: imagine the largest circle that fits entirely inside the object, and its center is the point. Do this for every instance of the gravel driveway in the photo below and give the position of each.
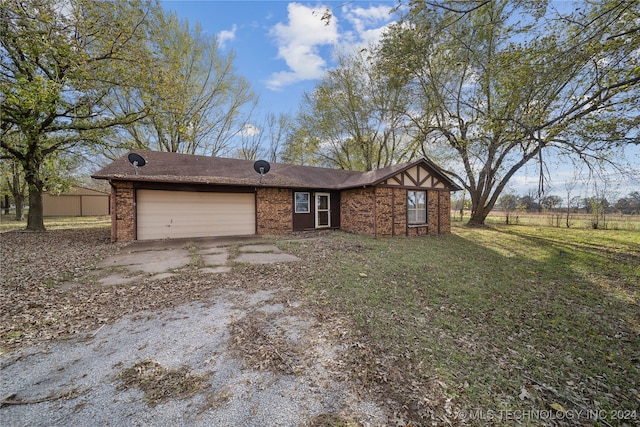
(191, 349)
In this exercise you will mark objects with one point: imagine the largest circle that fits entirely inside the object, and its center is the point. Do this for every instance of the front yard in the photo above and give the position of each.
(531, 325)
(503, 322)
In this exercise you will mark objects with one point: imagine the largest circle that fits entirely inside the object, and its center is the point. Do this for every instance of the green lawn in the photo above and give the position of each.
(508, 318)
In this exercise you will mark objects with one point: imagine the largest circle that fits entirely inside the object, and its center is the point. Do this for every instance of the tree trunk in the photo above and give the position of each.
(478, 215)
(19, 199)
(481, 205)
(7, 204)
(35, 219)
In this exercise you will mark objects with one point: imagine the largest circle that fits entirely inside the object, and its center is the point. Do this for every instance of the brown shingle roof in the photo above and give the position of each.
(186, 168)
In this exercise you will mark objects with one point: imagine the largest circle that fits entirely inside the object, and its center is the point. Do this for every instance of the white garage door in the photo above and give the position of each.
(176, 214)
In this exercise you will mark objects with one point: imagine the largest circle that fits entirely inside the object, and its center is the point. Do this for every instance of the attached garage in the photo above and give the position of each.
(176, 195)
(164, 214)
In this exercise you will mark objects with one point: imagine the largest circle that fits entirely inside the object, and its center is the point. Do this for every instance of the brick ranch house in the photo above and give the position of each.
(180, 195)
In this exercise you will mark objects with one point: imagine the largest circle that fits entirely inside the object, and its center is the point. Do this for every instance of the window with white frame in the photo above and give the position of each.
(416, 207)
(303, 202)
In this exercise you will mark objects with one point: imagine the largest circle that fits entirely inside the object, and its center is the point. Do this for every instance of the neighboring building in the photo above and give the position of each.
(76, 202)
(180, 195)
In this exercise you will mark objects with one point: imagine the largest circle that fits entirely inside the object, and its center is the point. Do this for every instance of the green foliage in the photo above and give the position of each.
(300, 147)
(500, 92)
(357, 114)
(13, 183)
(60, 61)
(192, 94)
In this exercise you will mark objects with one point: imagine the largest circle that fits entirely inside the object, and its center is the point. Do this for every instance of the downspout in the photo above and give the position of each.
(255, 204)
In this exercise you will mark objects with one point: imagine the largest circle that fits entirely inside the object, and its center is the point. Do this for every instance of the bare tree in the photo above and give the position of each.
(277, 127)
(197, 103)
(356, 111)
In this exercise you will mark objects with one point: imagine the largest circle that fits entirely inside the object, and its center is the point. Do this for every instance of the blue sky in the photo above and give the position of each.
(283, 48)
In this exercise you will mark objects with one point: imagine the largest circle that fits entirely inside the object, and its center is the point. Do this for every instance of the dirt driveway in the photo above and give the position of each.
(187, 333)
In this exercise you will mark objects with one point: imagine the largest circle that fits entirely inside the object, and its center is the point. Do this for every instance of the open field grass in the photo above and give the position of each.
(558, 219)
(8, 222)
(508, 318)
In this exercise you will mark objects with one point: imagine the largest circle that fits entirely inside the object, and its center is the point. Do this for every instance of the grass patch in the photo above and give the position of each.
(504, 318)
(612, 221)
(331, 420)
(160, 384)
(8, 222)
(196, 258)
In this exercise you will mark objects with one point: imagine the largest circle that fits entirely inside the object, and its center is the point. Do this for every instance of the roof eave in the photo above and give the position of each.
(290, 185)
(257, 184)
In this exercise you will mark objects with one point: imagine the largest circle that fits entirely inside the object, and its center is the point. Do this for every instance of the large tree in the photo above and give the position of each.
(356, 113)
(60, 62)
(196, 102)
(503, 83)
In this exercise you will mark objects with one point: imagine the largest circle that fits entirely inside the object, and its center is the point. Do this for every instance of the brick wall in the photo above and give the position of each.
(123, 213)
(391, 212)
(445, 211)
(357, 211)
(417, 231)
(433, 214)
(374, 211)
(400, 220)
(382, 212)
(274, 211)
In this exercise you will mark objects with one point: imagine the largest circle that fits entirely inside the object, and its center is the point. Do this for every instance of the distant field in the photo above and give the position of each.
(610, 222)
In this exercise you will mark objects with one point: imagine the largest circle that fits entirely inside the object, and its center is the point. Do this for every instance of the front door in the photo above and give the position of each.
(323, 209)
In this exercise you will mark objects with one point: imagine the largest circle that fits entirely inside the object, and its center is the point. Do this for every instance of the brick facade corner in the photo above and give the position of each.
(123, 213)
(445, 212)
(274, 211)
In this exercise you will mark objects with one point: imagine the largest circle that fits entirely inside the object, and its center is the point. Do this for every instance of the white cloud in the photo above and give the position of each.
(368, 24)
(249, 130)
(361, 19)
(301, 38)
(227, 35)
(298, 43)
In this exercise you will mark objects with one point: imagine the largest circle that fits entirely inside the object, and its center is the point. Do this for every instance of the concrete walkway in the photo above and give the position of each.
(164, 258)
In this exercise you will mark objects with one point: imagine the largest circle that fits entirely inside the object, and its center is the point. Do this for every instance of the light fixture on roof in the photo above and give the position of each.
(261, 167)
(137, 161)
